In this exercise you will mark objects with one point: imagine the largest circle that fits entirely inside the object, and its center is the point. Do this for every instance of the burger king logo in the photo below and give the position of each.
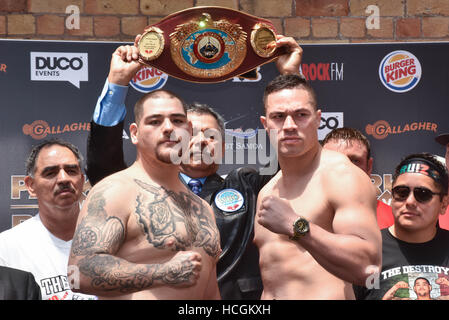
(149, 79)
(400, 71)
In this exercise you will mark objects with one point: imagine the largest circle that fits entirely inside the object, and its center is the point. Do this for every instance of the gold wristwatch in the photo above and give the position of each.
(300, 228)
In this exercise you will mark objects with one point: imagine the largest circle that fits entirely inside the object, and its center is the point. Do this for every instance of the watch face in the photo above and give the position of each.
(301, 225)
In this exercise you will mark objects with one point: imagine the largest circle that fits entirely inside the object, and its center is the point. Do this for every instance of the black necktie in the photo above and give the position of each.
(195, 185)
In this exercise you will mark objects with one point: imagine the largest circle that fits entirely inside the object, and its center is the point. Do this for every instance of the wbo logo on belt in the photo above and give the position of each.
(208, 48)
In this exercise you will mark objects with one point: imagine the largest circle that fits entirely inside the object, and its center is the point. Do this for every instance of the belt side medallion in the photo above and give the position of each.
(261, 36)
(151, 44)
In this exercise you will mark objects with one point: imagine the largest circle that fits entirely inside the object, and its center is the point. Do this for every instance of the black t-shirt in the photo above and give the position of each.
(410, 270)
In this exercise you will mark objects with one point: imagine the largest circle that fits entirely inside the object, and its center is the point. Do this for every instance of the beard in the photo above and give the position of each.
(164, 154)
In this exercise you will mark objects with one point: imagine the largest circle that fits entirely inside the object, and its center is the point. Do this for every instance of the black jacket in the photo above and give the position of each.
(238, 271)
(18, 285)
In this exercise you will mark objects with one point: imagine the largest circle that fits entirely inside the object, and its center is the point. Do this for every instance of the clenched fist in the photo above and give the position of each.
(277, 215)
(183, 270)
(124, 64)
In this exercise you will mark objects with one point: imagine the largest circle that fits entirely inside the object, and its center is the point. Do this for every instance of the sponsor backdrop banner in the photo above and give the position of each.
(396, 94)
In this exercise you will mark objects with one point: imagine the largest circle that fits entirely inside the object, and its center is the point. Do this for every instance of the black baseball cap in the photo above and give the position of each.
(443, 133)
(443, 138)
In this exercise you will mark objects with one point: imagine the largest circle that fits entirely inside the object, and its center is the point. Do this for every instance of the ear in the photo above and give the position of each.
(444, 204)
(318, 118)
(223, 149)
(191, 128)
(29, 182)
(263, 120)
(133, 132)
(370, 166)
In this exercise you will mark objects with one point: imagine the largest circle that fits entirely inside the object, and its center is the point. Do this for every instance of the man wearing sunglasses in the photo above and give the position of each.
(414, 246)
(443, 139)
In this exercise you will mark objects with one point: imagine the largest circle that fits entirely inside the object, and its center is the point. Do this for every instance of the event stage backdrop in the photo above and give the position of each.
(397, 94)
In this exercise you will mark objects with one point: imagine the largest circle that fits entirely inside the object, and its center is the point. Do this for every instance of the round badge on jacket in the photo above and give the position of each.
(229, 200)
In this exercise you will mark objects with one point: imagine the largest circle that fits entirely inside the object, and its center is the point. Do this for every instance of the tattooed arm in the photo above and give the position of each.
(100, 234)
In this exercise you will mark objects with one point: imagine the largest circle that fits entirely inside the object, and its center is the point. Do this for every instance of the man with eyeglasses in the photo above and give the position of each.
(414, 246)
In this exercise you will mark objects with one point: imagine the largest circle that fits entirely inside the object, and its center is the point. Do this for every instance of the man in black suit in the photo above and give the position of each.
(238, 272)
(18, 285)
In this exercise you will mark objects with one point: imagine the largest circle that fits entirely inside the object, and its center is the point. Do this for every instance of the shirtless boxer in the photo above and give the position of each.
(141, 233)
(316, 219)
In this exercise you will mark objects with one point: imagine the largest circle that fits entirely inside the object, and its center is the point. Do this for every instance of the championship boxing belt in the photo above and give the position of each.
(208, 44)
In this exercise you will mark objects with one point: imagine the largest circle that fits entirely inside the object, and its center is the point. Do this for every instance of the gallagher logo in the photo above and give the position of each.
(149, 79)
(400, 71)
(382, 129)
(39, 129)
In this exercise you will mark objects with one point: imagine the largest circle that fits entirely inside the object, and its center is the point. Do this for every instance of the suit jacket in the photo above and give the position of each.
(104, 151)
(18, 285)
(238, 271)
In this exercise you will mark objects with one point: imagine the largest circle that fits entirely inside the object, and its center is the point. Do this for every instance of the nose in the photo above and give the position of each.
(167, 125)
(199, 139)
(63, 177)
(411, 201)
(289, 123)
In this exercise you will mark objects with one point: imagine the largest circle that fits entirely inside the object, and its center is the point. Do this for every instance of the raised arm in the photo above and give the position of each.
(389, 295)
(289, 62)
(105, 143)
(100, 234)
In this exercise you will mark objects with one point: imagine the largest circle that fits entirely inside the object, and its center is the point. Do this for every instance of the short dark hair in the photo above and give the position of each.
(204, 109)
(30, 164)
(348, 134)
(442, 181)
(289, 81)
(155, 94)
(421, 278)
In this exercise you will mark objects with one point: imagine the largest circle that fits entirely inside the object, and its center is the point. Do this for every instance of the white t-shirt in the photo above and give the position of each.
(29, 246)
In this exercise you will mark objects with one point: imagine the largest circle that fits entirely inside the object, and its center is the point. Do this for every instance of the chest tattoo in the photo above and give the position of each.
(176, 220)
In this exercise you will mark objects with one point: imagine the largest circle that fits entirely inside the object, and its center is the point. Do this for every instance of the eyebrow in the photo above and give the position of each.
(67, 166)
(294, 111)
(157, 115)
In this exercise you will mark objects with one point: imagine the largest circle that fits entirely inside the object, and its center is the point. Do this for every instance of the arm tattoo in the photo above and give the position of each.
(109, 273)
(98, 232)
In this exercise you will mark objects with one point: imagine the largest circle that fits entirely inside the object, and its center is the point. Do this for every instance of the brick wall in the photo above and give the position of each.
(306, 20)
